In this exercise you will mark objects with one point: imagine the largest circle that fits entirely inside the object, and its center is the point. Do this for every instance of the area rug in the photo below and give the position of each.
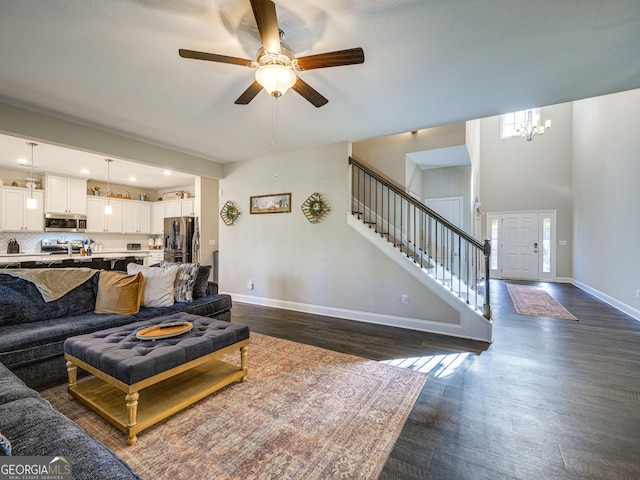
(534, 301)
(304, 413)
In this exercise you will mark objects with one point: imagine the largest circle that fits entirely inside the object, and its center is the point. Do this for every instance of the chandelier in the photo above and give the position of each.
(531, 125)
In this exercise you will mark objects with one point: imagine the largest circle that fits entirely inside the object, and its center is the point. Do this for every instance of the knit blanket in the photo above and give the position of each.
(53, 283)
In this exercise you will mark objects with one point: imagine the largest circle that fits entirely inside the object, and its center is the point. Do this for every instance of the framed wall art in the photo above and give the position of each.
(271, 203)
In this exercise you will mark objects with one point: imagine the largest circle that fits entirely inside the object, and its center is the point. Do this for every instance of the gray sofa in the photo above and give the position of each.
(32, 332)
(30, 427)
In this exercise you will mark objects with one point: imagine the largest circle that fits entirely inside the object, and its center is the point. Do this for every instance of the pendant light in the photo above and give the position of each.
(32, 203)
(108, 209)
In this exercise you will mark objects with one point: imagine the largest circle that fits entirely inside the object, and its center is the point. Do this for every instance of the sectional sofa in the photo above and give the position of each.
(33, 331)
(34, 324)
(29, 427)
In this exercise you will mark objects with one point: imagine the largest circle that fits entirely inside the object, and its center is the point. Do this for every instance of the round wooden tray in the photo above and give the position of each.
(164, 330)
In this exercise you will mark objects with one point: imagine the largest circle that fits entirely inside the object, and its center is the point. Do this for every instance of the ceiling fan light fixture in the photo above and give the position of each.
(275, 79)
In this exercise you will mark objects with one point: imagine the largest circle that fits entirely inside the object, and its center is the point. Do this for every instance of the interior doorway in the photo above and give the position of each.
(523, 245)
(449, 207)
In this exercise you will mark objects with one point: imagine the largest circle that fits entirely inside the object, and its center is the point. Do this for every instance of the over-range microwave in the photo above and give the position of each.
(65, 223)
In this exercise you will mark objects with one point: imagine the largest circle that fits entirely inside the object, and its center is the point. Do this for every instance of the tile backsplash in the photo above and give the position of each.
(30, 242)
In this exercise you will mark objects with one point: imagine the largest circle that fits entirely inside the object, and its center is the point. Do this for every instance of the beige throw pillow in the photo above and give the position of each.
(158, 290)
(119, 293)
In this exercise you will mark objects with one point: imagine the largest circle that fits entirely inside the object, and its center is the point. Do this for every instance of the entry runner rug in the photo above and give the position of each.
(530, 300)
(304, 413)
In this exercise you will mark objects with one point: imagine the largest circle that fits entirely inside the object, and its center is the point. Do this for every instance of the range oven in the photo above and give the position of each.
(65, 223)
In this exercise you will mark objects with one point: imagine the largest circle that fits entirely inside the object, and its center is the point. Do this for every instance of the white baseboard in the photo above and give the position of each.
(623, 307)
(451, 329)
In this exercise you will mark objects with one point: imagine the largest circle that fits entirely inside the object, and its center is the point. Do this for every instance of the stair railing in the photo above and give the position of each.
(452, 256)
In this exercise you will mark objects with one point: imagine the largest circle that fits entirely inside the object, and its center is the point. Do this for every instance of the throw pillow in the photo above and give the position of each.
(158, 290)
(202, 281)
(119, 293)
(185, 280)
(5, 446)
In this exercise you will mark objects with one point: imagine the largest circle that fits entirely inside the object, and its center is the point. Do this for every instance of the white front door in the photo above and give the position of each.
(520, 245)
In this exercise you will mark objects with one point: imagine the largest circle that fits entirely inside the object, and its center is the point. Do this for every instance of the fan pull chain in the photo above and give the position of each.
(274, 132)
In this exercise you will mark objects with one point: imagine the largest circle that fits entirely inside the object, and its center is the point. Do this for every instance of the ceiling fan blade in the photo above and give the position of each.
(249, 94)
(350, 56)
(265, 13)
(310, 93)
(213, 57)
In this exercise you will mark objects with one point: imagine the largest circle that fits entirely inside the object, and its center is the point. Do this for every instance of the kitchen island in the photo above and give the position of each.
(111, 259)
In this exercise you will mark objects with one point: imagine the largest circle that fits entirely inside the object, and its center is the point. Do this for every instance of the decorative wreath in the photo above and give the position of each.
(229, 213)
(315, 207)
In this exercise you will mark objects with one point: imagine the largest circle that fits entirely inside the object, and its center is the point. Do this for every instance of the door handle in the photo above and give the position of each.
(535, 247)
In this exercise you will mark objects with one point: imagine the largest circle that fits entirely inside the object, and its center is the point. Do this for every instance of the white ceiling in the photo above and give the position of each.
(16, 154)
(113, 64)
(441, 157)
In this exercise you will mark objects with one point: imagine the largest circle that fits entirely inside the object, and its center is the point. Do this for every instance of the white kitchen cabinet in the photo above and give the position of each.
(16, 217)
(186, 207)
(157, 218)
(169, 208)
(98, 221)
(172, 208)
(65, 195)
(137, 217)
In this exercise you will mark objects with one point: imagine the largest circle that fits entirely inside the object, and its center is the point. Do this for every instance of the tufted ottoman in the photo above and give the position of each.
(174, 372)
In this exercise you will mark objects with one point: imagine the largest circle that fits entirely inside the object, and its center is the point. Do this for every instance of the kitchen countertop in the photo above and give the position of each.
(8, 258)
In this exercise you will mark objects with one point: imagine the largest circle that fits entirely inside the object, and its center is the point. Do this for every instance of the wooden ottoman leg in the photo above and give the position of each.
(132, 412)
(72, 373)
(243, 361)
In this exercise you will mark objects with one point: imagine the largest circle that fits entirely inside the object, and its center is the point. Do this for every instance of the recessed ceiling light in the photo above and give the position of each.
(167, 172)
(132, 179)
(23, 161)
(85, 170)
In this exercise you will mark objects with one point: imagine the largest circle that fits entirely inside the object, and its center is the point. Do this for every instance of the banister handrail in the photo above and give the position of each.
(416, 203)
(452, 255)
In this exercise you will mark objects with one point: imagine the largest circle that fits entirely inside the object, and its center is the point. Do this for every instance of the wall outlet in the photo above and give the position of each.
(212, 243)
(404, 299)
(250, 285)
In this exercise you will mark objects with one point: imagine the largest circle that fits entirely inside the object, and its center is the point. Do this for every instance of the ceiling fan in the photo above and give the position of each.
(276, 65)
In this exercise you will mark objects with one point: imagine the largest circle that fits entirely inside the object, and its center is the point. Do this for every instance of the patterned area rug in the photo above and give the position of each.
(304, 413)
(530, 300)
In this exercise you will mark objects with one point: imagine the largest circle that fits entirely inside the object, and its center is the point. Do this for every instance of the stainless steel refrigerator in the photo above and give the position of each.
(178, 239)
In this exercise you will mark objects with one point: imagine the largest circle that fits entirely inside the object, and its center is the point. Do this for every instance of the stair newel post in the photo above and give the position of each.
(486, 308)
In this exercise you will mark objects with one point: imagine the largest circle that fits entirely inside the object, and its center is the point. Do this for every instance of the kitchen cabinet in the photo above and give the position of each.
(169, 208)
(186, 207)
(137, 217)
(98, 221)
(157, 218)
(172, 208)
(179, 208)
(15, 216)
(65, 195)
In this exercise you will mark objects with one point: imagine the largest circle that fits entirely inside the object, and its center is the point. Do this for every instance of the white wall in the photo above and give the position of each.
(387, 154)
(206, 205)
(473, 148)
(326, 267)
(606, 180)
(517, 175)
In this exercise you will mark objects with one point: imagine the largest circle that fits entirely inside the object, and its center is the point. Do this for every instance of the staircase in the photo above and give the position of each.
(445, 259)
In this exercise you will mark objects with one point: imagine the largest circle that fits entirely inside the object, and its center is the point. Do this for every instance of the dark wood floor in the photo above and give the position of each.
(548, 399)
